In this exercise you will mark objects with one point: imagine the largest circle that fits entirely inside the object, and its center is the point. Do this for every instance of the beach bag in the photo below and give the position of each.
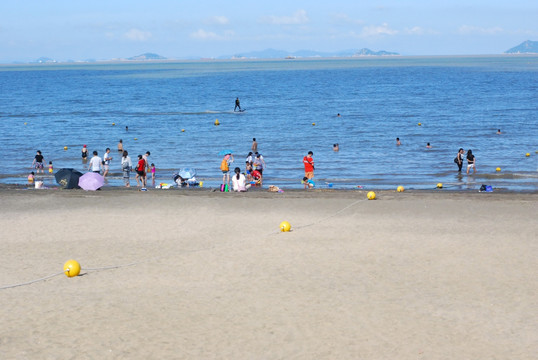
(224, 165)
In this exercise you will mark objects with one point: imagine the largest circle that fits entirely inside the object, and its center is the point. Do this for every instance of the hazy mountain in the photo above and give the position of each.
(147, 56)
(281, 54)
(43, 60)
(526, 47)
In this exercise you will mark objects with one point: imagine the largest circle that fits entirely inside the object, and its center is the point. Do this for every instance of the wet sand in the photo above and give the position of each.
(207, 275)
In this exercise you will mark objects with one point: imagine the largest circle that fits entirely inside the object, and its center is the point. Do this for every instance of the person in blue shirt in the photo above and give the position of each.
(308, 183)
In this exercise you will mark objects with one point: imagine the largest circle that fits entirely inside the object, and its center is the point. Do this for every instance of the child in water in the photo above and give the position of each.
(51, 169)
(31, 177)
(308, 183)
(153, 174)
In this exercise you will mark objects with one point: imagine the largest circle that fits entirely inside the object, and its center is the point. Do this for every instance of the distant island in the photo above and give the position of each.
(282, 54)
(526, 47)
(147, 56)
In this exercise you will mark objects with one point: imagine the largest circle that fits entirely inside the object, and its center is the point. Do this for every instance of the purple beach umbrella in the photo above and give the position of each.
(91, 181)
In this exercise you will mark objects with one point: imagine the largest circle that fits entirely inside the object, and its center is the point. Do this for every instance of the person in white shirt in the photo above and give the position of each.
(106, 160)
(95, 164)
(239, 183)
(126, 166)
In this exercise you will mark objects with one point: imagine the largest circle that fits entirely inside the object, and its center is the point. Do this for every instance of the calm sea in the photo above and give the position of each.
(291, 108)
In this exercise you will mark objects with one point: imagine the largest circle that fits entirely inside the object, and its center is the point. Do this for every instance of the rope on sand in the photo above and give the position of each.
(31, 282)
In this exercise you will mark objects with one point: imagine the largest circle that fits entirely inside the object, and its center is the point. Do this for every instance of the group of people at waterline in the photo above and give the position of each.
(240, 181)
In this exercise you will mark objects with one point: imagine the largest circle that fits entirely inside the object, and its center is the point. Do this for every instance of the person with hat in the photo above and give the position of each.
(84, 153)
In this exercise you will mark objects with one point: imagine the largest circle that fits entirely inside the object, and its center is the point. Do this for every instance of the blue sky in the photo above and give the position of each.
(96, 29)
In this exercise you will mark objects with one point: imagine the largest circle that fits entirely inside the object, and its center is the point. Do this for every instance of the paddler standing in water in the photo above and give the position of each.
(237, 104)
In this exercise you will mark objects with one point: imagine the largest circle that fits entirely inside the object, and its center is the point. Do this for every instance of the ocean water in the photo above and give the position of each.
(459, 102)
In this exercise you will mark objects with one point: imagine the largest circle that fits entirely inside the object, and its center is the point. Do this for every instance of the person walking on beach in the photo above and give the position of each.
(254, 145)
(95, 164)
(38, 162)
(308, 162)
(106, 161)
(471, 161)
(459, 159)
(126, 167)
(237, 104)
(141, 172)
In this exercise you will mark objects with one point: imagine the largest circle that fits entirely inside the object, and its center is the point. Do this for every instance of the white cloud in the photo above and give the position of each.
(415, 30)
(202, 34)
(137, 35)
(468, 29)
(298, 18)
(377, 30)
(217, 20)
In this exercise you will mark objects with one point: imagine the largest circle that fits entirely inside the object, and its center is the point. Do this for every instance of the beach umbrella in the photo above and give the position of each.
(68, 178)
(91, 181)
(225, 152)
(187, 173)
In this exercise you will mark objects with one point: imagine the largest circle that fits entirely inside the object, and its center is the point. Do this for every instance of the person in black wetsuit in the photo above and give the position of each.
(237, 104)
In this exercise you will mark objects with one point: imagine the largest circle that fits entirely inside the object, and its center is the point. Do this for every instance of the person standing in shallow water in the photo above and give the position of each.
(308, 163)
(254, 145)
(459, 159)
(471, 161)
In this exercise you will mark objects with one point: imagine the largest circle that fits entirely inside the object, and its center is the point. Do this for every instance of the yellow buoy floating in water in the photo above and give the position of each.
(217, 122)
(65, 147)
(313, 124)
(285, 226)
(182, 130)
(419, 124)
(439, 185)
(400, 189)
(71, 268)
(371, 195)
(528, 154)
(136, 138)
(498, 169)
(25, 123)
(113, 124)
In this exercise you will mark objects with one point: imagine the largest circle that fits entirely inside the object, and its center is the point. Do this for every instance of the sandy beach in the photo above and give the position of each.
(186, 274)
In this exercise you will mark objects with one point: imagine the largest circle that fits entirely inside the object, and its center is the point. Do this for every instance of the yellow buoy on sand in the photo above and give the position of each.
(439, 185)
(285, 226)
(371, 195)
(71, 268)
(400, 189)
(498, 169)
